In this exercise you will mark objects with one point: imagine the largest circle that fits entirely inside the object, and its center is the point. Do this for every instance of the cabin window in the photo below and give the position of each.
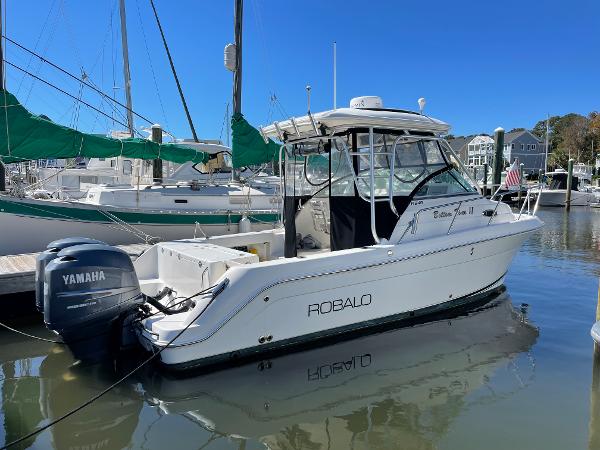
(180, 200)
(127, 167)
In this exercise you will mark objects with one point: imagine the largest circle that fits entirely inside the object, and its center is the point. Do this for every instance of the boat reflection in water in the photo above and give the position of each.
(405, 385)
(401, 386)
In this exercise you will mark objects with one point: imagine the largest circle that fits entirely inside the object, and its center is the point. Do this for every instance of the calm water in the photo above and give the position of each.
(504, 377)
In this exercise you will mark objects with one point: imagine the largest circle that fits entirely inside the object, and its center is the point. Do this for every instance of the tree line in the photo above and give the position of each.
(571, 136)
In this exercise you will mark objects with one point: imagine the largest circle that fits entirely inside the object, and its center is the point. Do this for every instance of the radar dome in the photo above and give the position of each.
(368, 101)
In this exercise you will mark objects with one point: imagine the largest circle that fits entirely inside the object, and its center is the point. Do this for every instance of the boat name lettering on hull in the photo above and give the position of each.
(327, 370)
(329, 306)
(455, 212)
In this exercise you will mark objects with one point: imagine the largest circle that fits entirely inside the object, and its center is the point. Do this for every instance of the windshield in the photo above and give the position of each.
(403, 162)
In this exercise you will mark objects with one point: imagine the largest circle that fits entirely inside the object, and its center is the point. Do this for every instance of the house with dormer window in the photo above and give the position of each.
(527, 147)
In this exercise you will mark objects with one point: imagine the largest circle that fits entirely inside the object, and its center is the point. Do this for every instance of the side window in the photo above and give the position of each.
(447, 183)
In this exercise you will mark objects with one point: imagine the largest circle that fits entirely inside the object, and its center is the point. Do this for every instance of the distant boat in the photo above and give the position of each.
(555, 193)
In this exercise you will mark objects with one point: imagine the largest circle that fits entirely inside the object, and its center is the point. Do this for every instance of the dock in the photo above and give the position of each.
(17, 272)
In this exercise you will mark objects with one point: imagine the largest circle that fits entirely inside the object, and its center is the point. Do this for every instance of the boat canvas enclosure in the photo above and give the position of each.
(25, 136)
(363, 180)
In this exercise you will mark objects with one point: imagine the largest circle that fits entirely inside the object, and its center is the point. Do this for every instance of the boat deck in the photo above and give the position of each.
(17, 272)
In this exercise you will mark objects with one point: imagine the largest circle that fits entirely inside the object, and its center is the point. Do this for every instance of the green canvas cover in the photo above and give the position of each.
(25, 136)
(248, 147)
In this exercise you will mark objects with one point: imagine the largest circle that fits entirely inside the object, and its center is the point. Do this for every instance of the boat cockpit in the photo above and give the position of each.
(349, 189)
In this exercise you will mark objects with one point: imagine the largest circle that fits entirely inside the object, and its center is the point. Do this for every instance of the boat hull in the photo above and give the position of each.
(29, 225)
(391, 284)
(557, 197)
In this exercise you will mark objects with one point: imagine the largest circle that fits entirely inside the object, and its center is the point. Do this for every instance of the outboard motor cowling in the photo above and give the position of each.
(91, 293)
(51, 252)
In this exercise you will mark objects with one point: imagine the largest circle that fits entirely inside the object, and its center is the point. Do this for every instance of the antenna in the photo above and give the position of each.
(312, 120)
(421, 103)
(334, 75)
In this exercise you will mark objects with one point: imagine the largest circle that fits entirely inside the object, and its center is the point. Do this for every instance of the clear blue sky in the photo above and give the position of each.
(479, 64)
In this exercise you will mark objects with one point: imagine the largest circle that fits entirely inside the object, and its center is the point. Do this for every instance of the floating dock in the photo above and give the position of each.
(17, 272)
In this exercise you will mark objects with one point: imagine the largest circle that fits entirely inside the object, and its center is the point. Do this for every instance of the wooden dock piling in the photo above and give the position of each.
(498, 157)
(157, 169)
(569, 182)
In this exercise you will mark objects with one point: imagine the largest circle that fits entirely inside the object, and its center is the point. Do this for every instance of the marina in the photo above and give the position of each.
(518, 361)
(212, 240)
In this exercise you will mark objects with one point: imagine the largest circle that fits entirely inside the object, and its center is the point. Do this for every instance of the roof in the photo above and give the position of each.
(481, 139)
(459, 142)
(344, 118)
(511, 136)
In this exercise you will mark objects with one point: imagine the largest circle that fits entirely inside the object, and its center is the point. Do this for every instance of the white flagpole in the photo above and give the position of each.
(547, 133)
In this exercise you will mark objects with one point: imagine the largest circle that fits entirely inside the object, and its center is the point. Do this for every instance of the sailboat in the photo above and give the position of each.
(206, 205)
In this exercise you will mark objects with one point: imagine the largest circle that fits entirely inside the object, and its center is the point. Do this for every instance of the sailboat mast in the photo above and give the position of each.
(126, 72)
(237, 75)
(2, 169)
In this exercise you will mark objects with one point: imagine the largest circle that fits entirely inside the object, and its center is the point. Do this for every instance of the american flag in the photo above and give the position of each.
(513, 177)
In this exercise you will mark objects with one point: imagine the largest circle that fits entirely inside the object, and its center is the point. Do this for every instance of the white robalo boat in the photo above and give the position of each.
(380, 225)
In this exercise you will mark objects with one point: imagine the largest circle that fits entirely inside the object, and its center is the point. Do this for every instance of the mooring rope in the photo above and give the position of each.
(112, 386)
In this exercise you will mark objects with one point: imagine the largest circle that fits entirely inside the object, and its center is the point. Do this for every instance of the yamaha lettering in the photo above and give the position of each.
(85, 277)
(339, 304)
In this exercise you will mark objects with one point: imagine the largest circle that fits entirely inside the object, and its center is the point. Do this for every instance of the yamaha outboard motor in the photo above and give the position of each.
(91, 296)
(45, 257)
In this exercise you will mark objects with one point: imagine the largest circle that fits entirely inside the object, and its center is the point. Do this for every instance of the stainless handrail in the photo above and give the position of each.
(372, 190)
(392, 164)
(454, 217)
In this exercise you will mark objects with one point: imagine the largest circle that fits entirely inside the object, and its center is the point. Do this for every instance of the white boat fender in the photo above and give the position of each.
(595, 332)
(245, 226)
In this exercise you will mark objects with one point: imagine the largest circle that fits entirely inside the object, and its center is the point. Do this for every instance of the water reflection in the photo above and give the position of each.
(573, 236)
(46, 382)
(402, 388)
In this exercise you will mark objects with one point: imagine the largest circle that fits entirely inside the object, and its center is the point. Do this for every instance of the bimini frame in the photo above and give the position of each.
(372, 199)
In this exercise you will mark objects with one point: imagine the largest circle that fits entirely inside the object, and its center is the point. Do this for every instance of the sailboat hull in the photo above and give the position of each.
(29, 225)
